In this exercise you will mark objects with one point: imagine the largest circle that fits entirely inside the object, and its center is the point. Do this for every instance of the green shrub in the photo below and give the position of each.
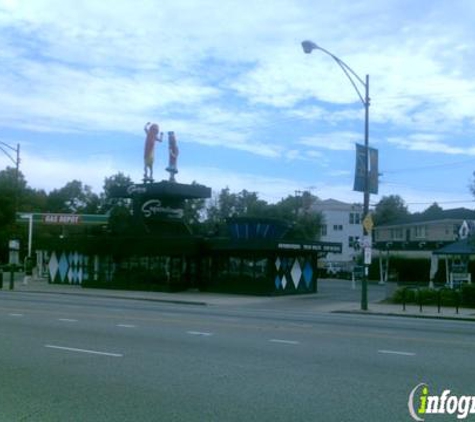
(404, 294)
(468, 295)
(426, 296)
(447, 297)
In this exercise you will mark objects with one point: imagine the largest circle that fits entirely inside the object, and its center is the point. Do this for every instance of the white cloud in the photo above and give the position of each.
(430, 143)
(336, 141)
(235, 77)
(418, 200)
(53, 172)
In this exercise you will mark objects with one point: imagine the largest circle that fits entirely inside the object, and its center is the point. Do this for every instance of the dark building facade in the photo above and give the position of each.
(159, 251)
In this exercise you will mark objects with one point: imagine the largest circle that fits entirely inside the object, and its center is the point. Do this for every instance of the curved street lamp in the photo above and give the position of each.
(4, 147)
(16, 161)
(308, 47)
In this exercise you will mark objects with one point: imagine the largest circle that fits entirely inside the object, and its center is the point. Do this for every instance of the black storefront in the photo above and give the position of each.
(160, 253)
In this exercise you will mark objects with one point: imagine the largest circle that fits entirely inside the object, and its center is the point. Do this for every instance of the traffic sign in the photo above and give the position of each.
(368, 223)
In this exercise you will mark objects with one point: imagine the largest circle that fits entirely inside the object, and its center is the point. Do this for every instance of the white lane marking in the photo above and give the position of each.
(16, 315)
(396, 352)
(93, 352)
(67, 320)
(126, 325)
(199, 333)
(276, 340)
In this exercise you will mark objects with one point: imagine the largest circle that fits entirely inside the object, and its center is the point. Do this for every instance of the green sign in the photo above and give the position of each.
(62, 219)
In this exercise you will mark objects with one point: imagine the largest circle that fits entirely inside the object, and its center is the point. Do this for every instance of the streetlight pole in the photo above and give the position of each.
(30, 230)
(16, 160)
(308, 47)
(4, 147)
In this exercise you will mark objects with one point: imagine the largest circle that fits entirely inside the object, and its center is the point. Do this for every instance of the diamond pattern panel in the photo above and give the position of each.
(296, 273)
(63, 267)
(284, 282)
(53, 267)
(71, 272)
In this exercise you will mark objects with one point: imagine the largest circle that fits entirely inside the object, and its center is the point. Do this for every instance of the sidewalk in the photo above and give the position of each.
(190, 297)
(323, 302)
(428, 312)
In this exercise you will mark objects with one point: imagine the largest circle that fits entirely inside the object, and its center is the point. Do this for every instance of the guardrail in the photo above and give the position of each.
(420, 298)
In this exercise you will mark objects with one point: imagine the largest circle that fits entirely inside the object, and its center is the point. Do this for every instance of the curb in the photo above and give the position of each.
(420, 316)
(112, 296)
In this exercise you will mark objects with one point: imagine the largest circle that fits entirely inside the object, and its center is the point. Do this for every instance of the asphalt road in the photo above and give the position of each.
(66, 358)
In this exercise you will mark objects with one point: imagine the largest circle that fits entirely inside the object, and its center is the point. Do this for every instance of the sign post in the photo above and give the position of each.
(367, 243)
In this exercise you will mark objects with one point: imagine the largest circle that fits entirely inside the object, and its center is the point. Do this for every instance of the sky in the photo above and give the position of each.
(250, 110)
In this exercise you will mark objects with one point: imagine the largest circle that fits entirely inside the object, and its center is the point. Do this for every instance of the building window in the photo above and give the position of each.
(355, 218)
(337, 227)
(323, 230)
(397, 234)
(420, 232)
(354, 242)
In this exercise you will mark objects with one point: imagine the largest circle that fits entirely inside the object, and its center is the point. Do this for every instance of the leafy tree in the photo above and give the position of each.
(298, 209)
(249, 204)
(16, 196)
(390, 209)
(294, 209)
(74, 197)
(227, 204)
(219, 208)
(434, 211)
(11, 190)
(111, 184)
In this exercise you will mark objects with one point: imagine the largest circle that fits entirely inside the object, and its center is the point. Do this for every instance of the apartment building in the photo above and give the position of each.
(424, 232)
(342, 223)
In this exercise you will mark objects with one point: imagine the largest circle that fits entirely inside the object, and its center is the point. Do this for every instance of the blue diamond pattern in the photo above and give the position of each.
(63, 267)
(307, 274)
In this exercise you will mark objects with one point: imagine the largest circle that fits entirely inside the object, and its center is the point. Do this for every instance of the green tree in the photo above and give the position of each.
(390, 209)
(195, 213)
(218, 209)
(11, 191)
(108, 200)
(298, 210)
(16, 196)
(434, 211)
(294, 209)
(74, 197)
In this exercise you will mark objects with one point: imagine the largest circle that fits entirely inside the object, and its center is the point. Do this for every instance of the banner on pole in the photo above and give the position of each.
(373, 171)
(360, 170)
